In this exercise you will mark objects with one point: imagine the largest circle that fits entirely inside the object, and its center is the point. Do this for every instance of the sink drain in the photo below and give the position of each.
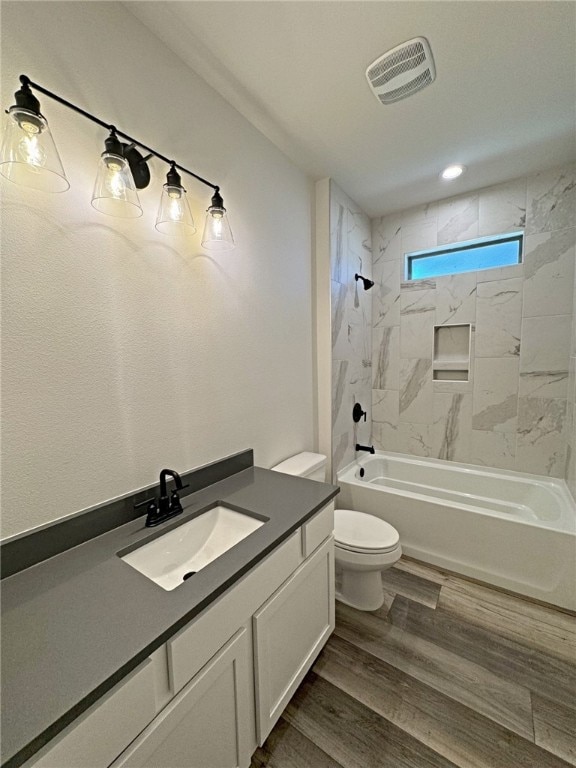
(187, 575)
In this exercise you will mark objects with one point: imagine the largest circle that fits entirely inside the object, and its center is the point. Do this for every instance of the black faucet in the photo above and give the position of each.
(170, 506)
(164, 507)
(369, 448)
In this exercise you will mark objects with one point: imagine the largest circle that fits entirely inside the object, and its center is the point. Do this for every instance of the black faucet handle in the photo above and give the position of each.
(174, 496)
(154, 515)
(175, 504)
(151, 502)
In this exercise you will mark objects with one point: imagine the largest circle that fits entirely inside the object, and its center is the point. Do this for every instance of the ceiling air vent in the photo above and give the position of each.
(402, 71)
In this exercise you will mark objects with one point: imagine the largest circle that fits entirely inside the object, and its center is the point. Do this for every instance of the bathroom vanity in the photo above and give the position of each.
(212, 663)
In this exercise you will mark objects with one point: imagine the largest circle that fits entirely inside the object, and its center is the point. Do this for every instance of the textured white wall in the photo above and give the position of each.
(124, 350)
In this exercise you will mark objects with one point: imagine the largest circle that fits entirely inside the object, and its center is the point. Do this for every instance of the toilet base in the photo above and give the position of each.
(361, 590)
(359, 577)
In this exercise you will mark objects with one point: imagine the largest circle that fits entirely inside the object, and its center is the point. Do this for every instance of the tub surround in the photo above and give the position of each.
(350, 254)
(90, 639)
(515, 411)
(571, 408)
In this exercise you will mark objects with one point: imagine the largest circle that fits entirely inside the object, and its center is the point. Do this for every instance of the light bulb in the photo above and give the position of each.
(29, 148)
(28, 126)
(175, 210)
(217, 224)
(114, 182)
(31, 151)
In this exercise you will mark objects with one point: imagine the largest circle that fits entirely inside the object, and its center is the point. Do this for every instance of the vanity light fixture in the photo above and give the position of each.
(452, 172)
(367, 283)
(29, 156)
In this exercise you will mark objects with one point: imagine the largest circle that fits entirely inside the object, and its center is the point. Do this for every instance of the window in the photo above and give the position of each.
(484, 253)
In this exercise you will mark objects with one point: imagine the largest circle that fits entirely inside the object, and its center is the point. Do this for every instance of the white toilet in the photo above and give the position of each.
(364, 545)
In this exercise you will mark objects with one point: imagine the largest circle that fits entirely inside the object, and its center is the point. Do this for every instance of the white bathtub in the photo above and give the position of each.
(509, 529)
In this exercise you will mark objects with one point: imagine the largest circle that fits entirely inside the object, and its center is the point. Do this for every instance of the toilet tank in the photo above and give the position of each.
(306, 464)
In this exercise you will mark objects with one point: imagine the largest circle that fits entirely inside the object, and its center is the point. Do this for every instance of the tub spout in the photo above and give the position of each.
(369, 448)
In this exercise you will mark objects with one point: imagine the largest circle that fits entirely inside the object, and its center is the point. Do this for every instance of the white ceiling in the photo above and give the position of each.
(503, 102)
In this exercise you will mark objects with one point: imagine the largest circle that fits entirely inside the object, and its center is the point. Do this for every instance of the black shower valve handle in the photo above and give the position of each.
(358, 412)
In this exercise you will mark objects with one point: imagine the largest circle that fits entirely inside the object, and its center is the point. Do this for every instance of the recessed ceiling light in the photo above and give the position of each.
(452, 172)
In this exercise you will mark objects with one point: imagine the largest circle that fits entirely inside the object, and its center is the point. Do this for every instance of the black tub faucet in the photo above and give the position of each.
(369, 448)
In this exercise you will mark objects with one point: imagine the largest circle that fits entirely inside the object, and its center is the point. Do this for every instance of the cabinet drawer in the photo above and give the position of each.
(106, 728)
(289, 631)
(208, 724)
(194, 645)
(317, 529)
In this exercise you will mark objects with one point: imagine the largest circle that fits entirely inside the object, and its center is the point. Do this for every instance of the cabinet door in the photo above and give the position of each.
(290, 629)
(208, 724)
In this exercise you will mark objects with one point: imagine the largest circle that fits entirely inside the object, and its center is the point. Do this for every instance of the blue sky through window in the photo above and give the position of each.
(483, 255)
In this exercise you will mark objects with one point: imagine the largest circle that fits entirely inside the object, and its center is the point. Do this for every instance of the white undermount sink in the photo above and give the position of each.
(190, 547)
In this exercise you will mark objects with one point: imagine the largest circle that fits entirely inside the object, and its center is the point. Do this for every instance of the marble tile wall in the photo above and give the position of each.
(518, 409)
(351, 253)
(571, 406)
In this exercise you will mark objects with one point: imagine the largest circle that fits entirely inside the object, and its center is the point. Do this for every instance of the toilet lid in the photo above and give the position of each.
(361, 532)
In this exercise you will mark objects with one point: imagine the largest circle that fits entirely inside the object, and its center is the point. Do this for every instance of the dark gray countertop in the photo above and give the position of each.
(75, 624)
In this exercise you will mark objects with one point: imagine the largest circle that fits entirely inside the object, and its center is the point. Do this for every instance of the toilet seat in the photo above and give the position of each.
(366, 534)
(359, 551)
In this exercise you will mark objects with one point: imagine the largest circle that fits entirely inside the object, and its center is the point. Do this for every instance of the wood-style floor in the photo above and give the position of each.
(447, 673)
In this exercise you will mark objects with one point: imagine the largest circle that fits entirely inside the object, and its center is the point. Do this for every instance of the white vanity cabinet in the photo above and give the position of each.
(214, 691)
(290, 630)
(208, 723)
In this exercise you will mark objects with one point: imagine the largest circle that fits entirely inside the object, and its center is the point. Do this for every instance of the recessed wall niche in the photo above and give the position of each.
(451, 352)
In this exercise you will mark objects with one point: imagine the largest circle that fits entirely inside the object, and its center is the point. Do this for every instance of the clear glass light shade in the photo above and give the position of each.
(114, 191)
(174, 214)
(29, 155)
(217, 233)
